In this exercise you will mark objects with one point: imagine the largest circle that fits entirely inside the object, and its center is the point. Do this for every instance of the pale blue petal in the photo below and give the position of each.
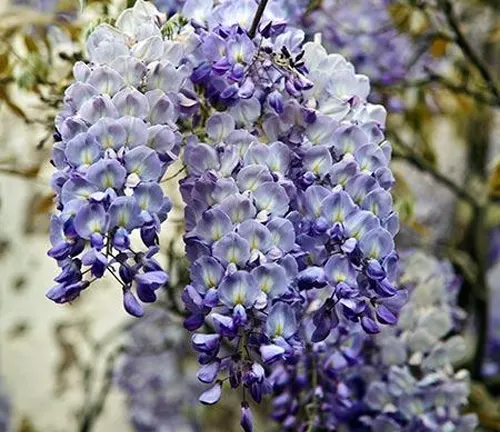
(281, 321)
(238, 288)
(109, 132)
(231, 249)
(144, 162)
(257, 235)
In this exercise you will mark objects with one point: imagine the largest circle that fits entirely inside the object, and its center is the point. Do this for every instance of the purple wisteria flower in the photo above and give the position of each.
(365, 32)
(289, 219)
(288, 212)
(170, 7)
(401, 379)
(115, 138)
(158, 396)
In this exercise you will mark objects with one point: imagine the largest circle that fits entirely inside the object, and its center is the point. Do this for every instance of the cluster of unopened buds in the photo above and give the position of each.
(288, 212)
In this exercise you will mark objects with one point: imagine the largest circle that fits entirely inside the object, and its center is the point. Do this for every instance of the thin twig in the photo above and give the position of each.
(91, 415)
(475, 242)
(481, 303)
(256, 20)
(422, 164)
(467, 49)
(444, 82)
(464, 89)
(175, 174)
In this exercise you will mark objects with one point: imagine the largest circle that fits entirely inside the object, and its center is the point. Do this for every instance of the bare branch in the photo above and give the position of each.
(468, 50)
(92, 413)
(434, 79)
(422, 164)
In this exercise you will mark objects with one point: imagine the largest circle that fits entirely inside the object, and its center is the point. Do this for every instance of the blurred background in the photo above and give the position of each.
(435, 65)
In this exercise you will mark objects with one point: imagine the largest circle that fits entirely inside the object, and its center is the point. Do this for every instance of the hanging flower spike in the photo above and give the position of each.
(118, 135)
(289, 220)
(148, 375)
(288, 213)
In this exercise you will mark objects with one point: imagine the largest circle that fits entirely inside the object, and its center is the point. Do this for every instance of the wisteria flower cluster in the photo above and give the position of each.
(115, 139)
(289, 217)
(150, 375)
(367, 34)
(401, 379)
(288, 213)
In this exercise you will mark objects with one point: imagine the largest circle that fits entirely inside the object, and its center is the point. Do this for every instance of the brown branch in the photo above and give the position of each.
(422, 164)
(433, 79)
(91, 415)
(468, 50)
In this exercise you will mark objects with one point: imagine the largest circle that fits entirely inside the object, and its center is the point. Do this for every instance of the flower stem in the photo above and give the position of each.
(258, 15)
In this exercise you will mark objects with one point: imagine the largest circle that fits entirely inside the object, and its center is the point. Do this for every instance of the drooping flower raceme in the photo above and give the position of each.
(115, 138)
(401, 379)
(289, 219)
(240, 245)
(158, 394)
